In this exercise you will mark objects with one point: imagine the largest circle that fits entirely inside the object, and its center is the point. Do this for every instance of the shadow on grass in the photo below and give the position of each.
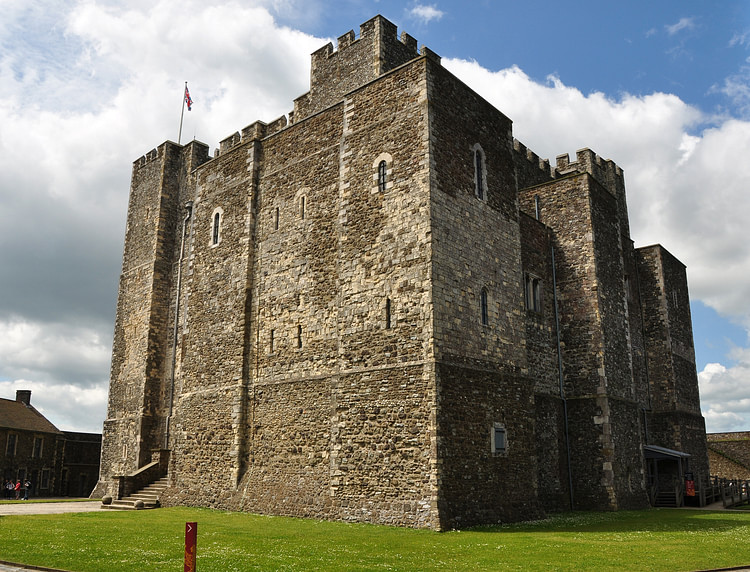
(657, 520)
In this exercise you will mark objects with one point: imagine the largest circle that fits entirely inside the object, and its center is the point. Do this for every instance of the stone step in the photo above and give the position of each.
(143, 497)
(155, 489)
(146, 498)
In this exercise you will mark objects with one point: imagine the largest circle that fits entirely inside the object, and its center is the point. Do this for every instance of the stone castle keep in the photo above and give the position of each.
(383, 308)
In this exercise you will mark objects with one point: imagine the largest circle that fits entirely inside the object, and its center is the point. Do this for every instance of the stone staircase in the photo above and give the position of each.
(666, 499)
(147, 497)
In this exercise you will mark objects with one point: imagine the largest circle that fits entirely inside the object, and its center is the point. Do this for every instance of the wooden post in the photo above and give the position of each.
(191, 544)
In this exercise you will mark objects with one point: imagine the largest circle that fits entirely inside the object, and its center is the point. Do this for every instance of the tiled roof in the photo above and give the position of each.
(16, 415)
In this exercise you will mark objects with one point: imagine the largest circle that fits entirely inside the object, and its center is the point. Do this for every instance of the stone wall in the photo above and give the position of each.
(729, 454)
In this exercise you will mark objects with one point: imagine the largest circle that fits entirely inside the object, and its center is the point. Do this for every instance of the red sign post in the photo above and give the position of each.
(191, 543)
(690, 488)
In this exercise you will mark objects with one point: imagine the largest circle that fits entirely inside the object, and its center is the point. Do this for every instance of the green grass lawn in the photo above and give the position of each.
(660, 539)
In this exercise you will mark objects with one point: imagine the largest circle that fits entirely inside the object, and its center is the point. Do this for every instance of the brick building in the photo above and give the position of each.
(56, 463)
(383, 308)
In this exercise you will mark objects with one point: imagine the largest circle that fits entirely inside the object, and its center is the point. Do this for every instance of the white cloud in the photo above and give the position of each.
(66, 405)
(426, 13)
(725, 398)
(737, 88)
(83, 92)
(740, 39)
(682, 24)
(53, 353)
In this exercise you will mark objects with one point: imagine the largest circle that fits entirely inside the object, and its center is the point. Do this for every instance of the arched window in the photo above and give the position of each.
(480, 173)
(216, 226)
(382, 172)
(483, 307)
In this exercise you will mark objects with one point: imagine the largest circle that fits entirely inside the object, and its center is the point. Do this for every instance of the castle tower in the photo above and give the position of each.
(142, 348)
(675, 420)
(355, 314)
(599, 392)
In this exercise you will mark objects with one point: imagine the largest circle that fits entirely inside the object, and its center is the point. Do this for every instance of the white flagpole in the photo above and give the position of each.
(182, 114)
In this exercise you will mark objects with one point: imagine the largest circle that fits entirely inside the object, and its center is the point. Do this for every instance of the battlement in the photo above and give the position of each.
(355, 62)
(603, 170)
(253, 132)
(375, 34)
(149, 157)
(194, 152)
(534, 159)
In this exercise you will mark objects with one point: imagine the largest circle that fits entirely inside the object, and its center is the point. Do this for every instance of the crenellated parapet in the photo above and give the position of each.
(531, 170)
(253, 132)
(355, 62)
(535, 161)
(149, 157)
(603, 170)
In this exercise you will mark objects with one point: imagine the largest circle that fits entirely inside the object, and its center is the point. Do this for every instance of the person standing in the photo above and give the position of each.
(26, 487)
(17, 488)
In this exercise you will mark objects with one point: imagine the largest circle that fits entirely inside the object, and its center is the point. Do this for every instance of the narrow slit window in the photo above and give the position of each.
(299, 336)
(302, 205)
(215, 229)
(276, 219)
(479, 174)
(387, 313)
(271, 341)
(483, 307)
(382, 176)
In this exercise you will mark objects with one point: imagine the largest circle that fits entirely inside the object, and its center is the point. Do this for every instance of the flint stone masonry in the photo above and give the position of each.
(303, 339)
(729, 454)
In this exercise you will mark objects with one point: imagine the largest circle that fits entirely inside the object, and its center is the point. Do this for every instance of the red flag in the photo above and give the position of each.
(187, 98)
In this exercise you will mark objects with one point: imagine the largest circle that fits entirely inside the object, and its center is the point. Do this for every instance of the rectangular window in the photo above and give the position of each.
(45, 479)
(10, 448)
(499, 439)
(38, 445)
(533, 293)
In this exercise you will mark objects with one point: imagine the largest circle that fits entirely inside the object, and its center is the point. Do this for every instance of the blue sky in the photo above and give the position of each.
(86, 87)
